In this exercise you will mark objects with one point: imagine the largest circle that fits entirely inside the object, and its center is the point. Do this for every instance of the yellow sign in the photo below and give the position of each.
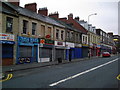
(118, 77)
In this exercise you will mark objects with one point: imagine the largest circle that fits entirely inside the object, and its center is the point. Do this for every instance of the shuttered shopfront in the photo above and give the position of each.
(7, 45)
(60, 50)
(46, 50)
(27, 50)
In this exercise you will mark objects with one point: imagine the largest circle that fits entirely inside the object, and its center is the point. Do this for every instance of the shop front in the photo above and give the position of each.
(70, 50)
(27, 50)
(85, 49)
(7, 44)
(59, 50)
(78, 51)
(98, 50)
(46, 50)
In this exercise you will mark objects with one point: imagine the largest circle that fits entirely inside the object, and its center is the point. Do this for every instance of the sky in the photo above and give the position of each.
(107, 11)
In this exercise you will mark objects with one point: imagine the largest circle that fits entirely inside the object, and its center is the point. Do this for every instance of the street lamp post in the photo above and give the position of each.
(91, 15)
(89, 33)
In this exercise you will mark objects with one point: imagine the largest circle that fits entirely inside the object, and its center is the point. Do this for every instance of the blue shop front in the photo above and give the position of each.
(27, 50)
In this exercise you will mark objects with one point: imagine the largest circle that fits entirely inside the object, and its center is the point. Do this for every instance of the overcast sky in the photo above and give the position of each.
(107, 11)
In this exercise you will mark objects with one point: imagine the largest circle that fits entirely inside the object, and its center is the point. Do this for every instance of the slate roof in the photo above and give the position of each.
(34, 15)
(68, 26)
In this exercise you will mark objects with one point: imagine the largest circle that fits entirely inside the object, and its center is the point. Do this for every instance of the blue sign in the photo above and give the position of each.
(7, 42)
(27, 40)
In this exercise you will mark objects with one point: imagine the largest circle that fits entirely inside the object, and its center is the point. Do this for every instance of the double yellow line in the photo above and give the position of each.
(9, 76)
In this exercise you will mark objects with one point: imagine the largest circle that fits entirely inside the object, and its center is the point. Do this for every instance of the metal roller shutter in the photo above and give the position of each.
(25, 51)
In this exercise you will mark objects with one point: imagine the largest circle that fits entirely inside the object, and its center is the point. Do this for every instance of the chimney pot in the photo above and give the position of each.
(70, 16)
(77, 18)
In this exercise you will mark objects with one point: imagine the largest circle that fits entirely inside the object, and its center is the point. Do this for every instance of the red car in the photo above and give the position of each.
(106, 54)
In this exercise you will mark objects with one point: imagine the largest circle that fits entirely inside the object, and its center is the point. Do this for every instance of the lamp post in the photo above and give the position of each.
(89, 34)
(91, 15)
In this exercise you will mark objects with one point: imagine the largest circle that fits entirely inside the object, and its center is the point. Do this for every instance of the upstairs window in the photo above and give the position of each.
(49, 31)
(9, 24)
(57, 34)
(25, 26)
(43, 30)
(62, 35)
(33, 28)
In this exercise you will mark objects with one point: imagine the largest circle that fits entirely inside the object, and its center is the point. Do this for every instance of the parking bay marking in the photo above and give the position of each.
(74, 76)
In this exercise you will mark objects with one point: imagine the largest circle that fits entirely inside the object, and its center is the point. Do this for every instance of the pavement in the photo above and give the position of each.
(13, 68)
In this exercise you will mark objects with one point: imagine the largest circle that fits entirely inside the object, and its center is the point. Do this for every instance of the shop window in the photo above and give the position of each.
(33, 28)
(9, 24)
(25, 25)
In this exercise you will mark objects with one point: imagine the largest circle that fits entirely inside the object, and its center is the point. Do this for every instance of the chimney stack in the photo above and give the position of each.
(70, 16)
(31, 6)
(77, 18)
(54, 15)
(111, 34)
(64, 19)
(14, 2)
(43, 11)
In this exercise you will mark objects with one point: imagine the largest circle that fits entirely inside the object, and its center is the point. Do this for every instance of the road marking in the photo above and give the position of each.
(118, 77)
(9, 76)
(74, 76)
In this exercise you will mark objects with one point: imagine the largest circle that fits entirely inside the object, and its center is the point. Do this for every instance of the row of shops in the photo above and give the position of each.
(30, 50)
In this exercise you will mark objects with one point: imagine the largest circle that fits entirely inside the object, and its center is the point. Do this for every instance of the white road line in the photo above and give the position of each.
(74, 76)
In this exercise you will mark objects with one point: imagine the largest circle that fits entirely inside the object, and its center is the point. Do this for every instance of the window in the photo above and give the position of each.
(57, 34)
(86, 40)
(68, 35)
(33, 28)
(83, 39)
(9, 24)
(25, 25)
(49, 31)
(80, 38)
(62, 35)
(72, 36)
(43, 30)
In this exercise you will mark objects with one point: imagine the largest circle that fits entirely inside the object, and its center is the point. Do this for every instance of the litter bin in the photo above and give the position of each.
(59, 60)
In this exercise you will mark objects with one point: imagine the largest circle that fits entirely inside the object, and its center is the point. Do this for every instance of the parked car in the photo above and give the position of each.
(106, 54)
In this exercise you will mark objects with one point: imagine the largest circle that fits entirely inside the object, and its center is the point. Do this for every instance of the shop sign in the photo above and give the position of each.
(27, 40)
(46, 41)
(58, 43)
(8, 37)
(98, 46)
(78, 45)
(47, 36)
(68, 44)
(84, 44)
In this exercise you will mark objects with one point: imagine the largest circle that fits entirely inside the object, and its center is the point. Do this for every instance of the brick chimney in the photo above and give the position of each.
(14, 2)
(31, 6)
(77, 18)
(54, 15)
(110, 33)
(64, 19)
(43, 11)
(70, 16)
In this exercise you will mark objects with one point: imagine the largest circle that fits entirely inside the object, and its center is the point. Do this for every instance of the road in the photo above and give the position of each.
(95, 73)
